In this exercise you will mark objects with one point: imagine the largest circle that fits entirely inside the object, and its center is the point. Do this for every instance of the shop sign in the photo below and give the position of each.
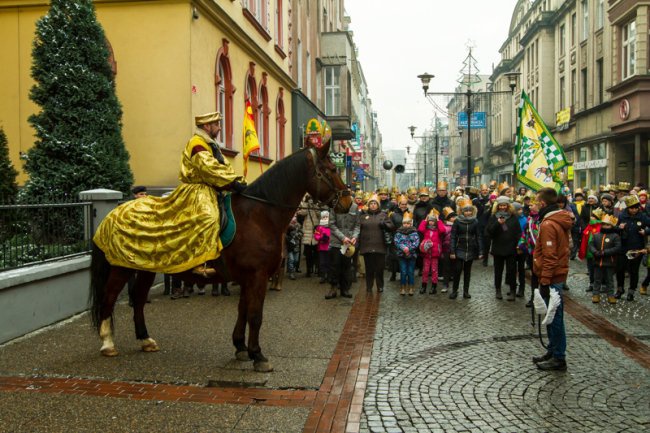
(562, 119)
(594, 163)
(569, 173)
(338, 158)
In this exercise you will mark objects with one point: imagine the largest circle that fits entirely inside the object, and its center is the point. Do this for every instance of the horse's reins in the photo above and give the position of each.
(334, 198)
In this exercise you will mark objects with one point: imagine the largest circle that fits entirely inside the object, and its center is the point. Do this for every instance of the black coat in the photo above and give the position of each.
(420, 212)
(465, 240)
(605, 246)
(442, 202)
(585, 213)
(632, 239)
(371, 232)
(504, 242)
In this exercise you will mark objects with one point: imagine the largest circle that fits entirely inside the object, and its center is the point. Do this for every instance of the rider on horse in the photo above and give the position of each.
(181, 231)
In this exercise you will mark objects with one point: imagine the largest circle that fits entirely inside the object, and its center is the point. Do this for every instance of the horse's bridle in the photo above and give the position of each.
(337, 194)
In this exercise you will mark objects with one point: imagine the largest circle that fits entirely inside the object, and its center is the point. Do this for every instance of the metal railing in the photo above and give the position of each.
(41, 232)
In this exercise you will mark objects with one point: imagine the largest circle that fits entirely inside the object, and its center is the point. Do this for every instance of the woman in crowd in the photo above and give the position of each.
(372, 247)
(465, 246)
(526, 245)
(322, 236)
(310, 213)
(504, 231)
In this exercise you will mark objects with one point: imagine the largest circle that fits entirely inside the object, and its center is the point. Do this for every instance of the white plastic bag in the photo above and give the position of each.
(538, 302)
(553, 303)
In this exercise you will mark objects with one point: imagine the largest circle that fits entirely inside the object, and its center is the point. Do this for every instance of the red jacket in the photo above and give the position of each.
(551, 254)
(436, 237)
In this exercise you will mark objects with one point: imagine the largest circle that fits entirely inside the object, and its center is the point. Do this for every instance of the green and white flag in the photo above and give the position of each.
(538, 156)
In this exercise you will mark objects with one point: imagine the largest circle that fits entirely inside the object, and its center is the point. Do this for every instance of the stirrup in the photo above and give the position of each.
(204, 271)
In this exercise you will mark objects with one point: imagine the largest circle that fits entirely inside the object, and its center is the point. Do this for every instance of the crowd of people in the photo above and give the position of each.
(438, 236)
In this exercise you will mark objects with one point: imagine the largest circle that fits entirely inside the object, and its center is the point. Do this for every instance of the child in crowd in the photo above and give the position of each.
(527, 243)
(293, 239)
(592, 228)
(322, 236)
(446, 264)
(433, 232)
(466, 246)
(605, 246)
(407, 242)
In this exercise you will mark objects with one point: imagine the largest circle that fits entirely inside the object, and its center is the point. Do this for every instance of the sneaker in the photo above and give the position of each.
(529, 304)
(544, 357)
(643, 291)
(590, 288)
(552, 364)
(595, 299)
(612, 299)
(630, 296)
(619, 293)
(201, 291)
(445, 288)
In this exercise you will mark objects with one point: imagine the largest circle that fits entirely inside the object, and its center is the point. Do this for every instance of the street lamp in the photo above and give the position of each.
(424, 141)
(426, 79)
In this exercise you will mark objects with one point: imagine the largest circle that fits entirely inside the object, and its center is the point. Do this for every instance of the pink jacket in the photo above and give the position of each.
(435, 237)
(446, 242)
(322, 235)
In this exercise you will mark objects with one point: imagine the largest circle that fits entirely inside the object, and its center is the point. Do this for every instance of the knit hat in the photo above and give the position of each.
(593, 195)
(493, 196)
(324, 218)
(503, 200)
(607, 196)
(517, 205)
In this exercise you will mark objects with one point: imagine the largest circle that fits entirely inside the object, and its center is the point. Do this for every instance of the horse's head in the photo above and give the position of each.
(325, 185)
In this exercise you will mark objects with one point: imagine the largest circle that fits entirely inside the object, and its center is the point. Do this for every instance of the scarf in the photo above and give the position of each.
(545, 210)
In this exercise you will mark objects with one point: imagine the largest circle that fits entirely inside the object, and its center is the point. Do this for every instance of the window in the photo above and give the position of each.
(600, 14)
(582, 154)
(263, 118)
(573, 29)
(279, 37)
(562, 93)
(583, 81)
(281, 120)
(598, 151)
(332, 91)
(223, 94)
(308, 73)
(629, 48)
(601, 86)
(562, 39)
(580, 179)
(299, 65)
(585, 19)
(574, 87)
(598, 176)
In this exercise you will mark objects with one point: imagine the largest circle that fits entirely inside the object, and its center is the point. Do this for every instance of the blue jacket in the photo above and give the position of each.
(632, 239)
(407, 238)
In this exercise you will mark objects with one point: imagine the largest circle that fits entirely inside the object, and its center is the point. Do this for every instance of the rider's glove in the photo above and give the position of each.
(237, 187)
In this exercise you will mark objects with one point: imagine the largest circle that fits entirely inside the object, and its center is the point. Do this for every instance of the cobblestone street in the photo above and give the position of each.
(460, 365)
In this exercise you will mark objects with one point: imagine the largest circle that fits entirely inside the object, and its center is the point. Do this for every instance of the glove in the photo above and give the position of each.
(545, 291)
(237, 187)
(538, 302)
(553, 303)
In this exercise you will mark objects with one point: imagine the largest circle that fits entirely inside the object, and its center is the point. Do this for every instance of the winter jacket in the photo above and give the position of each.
(466, 243)
(446, 243)
(344, 225)
(551, 254)
(293, 238)
(504, 237)
(420, 212)
(630, 236)
(442, 202)
(604, 247)
(587, 235)
(371, 233)
(529, 234)
(322, 236)
(407, 238)
(585, 213)
(310, 213)
(482, 205)
(433, 238)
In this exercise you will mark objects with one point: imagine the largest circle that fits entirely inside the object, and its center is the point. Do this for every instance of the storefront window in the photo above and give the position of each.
(582, 154)
(598, 176)
(599, 151)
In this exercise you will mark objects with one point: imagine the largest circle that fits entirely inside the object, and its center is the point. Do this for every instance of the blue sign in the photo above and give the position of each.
(478, 120)
(360, 174)
(348, 161)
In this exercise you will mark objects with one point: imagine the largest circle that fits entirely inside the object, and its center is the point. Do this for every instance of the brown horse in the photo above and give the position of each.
(262, 212)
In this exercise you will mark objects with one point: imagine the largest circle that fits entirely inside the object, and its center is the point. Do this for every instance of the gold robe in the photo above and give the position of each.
(175, 233)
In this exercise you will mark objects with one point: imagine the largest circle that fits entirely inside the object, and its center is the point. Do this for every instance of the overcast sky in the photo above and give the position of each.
(397, 41)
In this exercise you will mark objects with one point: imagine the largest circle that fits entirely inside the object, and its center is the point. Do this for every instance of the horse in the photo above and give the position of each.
(262, 213)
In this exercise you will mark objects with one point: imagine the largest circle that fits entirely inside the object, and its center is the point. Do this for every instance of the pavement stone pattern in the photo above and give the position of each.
(441, 365)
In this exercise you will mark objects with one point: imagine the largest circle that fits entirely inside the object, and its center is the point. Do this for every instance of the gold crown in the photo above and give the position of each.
(407, 217)
(463, 203)
(433, 213)
(609, 219)
(598, 213)
(442, 185)
(373, 198)
(423, 191)
(503, 186)
(359, 195)
(447, 211)
(631, 200)
(383, 190)
(411, 190)
(623, 186)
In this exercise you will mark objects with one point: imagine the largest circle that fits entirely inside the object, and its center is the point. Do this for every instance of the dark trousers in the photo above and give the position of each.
(466, 268)
(631, 266)
(323, 263)
(487, 245)
(509, 262)
(521, 270)
(311, 258)
(340, 269)
(603, 280)
(590, 271)
(646, 280)
(534, 280)
(446, 268)
(375, 263)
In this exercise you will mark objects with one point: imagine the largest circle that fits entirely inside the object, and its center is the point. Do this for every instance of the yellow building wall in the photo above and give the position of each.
(161, 52)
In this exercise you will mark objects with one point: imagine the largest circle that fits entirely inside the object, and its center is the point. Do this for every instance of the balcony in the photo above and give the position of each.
(337, 55)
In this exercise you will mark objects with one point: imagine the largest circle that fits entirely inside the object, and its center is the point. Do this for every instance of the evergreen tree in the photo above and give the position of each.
(79, 143)
(8, 186)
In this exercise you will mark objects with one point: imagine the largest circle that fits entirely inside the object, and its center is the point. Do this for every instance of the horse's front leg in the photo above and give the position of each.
(239, 333)
(254, 315)
(117, 278)
(143, 283)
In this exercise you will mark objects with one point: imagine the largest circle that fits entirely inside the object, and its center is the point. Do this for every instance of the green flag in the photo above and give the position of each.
(538, 156)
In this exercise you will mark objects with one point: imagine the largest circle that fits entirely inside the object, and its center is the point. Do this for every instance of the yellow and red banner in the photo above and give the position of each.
(251, 143)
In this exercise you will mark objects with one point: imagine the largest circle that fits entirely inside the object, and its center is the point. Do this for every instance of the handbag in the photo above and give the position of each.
(388, 237)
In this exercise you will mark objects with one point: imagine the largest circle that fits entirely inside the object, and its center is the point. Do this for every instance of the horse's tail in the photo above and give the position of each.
(99, 271)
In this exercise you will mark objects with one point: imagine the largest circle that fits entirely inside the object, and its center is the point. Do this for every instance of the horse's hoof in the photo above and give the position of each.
(263, 366)
(109, 351)
(150, 345)
(242, 356)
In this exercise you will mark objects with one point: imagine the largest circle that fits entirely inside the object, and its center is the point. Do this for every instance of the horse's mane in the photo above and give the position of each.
(283, 177)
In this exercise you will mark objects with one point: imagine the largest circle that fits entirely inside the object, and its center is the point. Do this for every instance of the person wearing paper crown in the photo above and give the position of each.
(504, 231)
(203, 173)
(441, 200)
(372, 246)
(446, 266)
(604, 247)
(622, 191)
(412, 198)
(422, 207)
(407, 242)
(396, 217)
(587, 234)
(432, 231)
(465, 246)
(527, 243)
(634, 227)
(344, 228)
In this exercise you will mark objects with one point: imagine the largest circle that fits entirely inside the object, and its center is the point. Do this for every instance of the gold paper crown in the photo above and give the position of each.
(503, 186)
(611, 187)
(442, 185)
(446, 211)
(407, 217)
(394, 189)
(631, 200)
(327, 132)
(493, 183)
(598, 213)
(602, 188)
(578, 191)
(359, 195)
(623, 186)
(463, 203)
(373, 198)
(484, 186)
(204, 119)
(383, 190)
(402, 197)
(411, 190)
(423, 191)
(433, 213)
(609, 219)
